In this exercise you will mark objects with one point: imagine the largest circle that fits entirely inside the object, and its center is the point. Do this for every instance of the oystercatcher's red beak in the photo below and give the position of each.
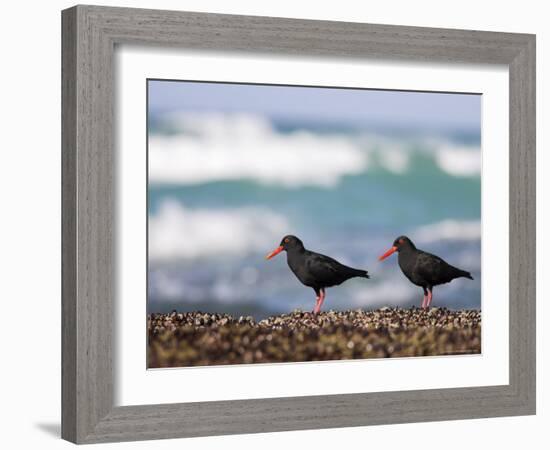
(275, 252)
(388, 253)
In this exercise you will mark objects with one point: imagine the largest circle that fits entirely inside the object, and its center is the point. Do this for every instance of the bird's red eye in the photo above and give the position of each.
(287, 240)
(401, 241)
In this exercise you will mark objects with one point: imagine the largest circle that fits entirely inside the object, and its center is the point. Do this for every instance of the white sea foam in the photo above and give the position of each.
(230, 147)
(459, 161)
(177, 232)
(207, 147)
(449, 230)
(395, 160)
(393, 291)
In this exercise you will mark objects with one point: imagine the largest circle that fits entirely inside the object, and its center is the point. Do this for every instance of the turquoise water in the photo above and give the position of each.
(210, 225)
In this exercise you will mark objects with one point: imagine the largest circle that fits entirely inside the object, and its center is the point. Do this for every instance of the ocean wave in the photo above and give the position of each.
(393, 291)
(177, 232)
(395, 160)
(458, 230)
(208, 147)
(243, 147)
(458, 161)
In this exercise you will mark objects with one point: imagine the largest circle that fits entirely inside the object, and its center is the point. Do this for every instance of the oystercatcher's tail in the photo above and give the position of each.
(362, 273)
(465, 274)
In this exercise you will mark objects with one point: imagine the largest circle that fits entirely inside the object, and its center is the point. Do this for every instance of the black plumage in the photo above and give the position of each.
(315, 270)
(423, 268)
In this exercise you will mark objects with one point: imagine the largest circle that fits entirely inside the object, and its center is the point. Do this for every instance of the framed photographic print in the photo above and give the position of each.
(233, 167)
(266, 222)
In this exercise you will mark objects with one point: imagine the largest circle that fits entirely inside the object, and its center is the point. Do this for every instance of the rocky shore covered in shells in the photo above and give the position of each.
(197, 339)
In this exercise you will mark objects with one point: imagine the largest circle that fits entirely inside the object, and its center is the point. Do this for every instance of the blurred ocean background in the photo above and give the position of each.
(233, 168)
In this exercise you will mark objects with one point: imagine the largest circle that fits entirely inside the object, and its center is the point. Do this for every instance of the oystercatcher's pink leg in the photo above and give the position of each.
(321, 300)
(317, 307)
(429, 302)
(425, 298)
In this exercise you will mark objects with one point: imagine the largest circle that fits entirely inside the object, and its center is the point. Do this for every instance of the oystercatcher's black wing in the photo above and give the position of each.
(329, 272)
(435, 270)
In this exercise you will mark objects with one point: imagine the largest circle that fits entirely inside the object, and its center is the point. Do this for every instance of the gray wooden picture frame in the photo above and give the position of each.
(90, 34)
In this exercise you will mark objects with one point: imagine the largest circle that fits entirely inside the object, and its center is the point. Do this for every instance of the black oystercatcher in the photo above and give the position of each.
(313, 269)
(423, 268)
